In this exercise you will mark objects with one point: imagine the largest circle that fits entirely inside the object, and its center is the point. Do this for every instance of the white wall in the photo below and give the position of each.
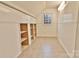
(77, 43)
(77, 37)
(9, 40)
(9, 34)
(47, 30)
(67, 28)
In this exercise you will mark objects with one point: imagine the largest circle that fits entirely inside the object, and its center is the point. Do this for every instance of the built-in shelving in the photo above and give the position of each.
(23, 31)
(31, 28)
(23, 39)
(24, 34)
(33, 31)
(26, 29)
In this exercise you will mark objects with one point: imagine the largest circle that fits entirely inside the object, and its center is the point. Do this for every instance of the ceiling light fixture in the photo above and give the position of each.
(62, 5)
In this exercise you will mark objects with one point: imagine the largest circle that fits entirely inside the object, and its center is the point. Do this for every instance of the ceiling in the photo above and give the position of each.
(52, 4)
(34, 7)
(48, 4)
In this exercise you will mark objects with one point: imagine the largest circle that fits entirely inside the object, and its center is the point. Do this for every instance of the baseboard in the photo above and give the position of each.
(48, 36)
(69, 55)
(18, 54)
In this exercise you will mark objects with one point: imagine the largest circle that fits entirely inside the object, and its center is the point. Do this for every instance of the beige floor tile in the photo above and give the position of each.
(44, 48)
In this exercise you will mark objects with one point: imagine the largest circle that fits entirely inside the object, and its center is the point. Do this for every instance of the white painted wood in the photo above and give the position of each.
(29, 34)
(67, 28)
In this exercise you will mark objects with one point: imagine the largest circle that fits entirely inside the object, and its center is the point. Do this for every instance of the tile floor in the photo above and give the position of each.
(44, 48)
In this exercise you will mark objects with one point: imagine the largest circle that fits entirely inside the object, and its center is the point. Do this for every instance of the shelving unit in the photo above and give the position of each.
(31, 28)
(23, 31)
(23, 39)
(33, 31)
(24, 34)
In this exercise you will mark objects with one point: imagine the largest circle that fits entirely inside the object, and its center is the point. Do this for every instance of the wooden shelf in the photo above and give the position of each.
(23, 27)
(23, 31)
(23, 39)
(24, 47)
(24, 35)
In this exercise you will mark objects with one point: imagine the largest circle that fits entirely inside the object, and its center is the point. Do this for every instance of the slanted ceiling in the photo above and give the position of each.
(34, 7)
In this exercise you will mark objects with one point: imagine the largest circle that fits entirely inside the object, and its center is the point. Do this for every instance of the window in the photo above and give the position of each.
(47, 18)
